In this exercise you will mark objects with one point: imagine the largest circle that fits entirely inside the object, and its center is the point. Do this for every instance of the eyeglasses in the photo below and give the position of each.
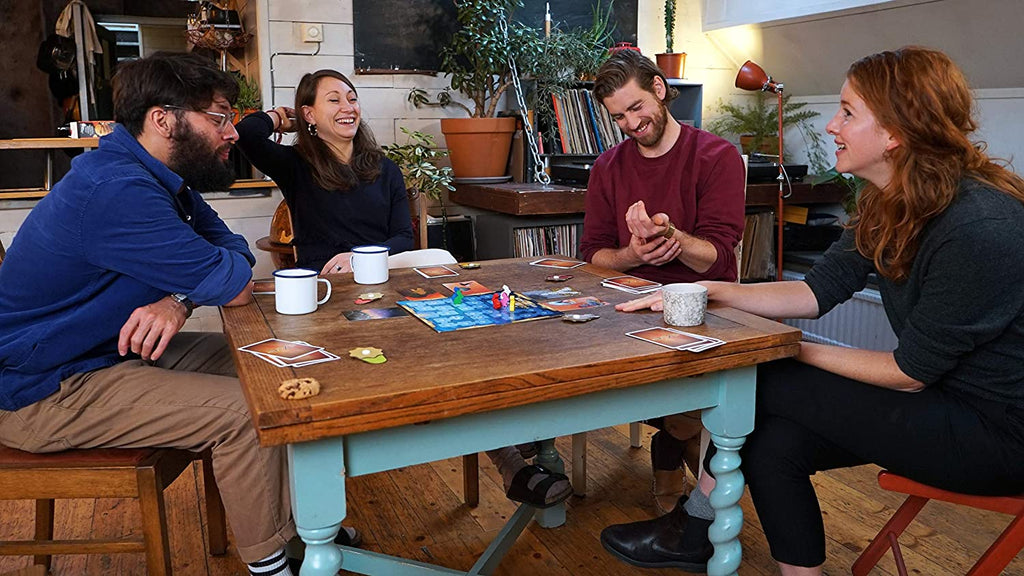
(222, 119)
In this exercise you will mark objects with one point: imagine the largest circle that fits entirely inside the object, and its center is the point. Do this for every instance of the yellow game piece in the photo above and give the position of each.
(512, 303)
(365, 352)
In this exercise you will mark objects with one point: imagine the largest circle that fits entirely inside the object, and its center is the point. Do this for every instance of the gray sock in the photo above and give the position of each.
(698, 506)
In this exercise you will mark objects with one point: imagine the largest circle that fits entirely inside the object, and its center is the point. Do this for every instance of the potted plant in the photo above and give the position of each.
(757, 125)
(477, 62)
(417, 159)
(249, 99)
(671, 63)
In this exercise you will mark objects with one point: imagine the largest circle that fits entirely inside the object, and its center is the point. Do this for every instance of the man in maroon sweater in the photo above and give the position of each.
(667, 203)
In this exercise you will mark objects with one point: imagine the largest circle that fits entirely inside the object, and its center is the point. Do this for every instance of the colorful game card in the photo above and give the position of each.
(573, 303)
(675, 339)
(435, 271)
(557, 263)
(375, 313)
(631, 284)
(469, 287)
(282, 349)
(420, 293)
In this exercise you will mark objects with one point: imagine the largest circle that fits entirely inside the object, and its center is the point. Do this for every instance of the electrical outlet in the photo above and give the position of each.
(312, 32)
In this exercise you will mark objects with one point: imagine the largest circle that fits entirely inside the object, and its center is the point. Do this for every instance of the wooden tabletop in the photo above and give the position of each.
(431, 375)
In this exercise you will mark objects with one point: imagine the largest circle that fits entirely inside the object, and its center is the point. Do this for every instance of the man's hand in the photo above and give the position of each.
(654, 252)
(340, 264)
(644, 226)
(150, 328)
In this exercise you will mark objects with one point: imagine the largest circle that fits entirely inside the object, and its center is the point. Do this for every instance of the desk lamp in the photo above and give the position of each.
(753, 77)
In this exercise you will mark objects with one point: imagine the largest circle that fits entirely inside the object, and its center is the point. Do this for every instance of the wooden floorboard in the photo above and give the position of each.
(419, 513)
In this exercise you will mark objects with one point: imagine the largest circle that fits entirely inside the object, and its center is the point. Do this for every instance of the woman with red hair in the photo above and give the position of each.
(942, 226)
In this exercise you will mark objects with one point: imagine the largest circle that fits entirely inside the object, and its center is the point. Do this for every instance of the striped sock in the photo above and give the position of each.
(276, 564)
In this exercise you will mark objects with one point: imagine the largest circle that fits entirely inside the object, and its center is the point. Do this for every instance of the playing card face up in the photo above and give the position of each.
(286, 353)
(435, 271)
(557, 263)
(631, 284)
(675, 339)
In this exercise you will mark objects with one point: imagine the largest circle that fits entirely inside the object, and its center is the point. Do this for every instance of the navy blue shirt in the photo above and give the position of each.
(329, 222)
(118, 232)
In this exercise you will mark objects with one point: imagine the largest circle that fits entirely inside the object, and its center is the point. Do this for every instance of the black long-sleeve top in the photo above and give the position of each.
(329, 222)
(959, 316)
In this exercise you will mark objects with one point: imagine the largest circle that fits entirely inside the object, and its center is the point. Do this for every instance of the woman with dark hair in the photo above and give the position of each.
(941, 224)
(341, 189)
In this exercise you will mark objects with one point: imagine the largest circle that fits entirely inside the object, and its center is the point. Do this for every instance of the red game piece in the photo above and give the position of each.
(495, 301)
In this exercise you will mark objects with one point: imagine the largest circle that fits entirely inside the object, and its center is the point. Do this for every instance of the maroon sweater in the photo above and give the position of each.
(699, 183)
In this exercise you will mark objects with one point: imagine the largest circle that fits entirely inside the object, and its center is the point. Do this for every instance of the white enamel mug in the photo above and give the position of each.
(369, 264)
(295, 291)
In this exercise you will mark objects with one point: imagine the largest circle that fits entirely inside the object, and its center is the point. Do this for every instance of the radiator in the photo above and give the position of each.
(857, 323)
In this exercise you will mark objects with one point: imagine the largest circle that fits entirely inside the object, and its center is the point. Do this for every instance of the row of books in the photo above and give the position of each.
(584, 125)
(559, 240)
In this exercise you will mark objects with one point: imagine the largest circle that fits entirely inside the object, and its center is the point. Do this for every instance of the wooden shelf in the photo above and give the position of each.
(521, 199)
(48, 143)
(767, 194)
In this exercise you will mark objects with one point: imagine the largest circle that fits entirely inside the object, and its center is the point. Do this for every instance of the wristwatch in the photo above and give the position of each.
(670, 231)
(184, 301)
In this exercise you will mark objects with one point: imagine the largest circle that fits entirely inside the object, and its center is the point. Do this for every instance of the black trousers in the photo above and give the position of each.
(810, 420)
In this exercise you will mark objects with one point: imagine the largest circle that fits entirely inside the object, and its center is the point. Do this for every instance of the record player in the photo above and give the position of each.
(765, 168)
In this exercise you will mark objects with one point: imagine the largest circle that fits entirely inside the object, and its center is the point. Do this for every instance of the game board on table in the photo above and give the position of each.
(476, 310)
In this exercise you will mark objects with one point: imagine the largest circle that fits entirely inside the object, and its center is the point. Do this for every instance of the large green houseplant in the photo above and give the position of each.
(478, 62)
(757, 126)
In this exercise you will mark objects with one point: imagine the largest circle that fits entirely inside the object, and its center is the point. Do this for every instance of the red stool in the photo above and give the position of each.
(1005, 548)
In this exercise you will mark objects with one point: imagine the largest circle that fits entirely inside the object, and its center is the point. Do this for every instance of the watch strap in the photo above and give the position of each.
(184, 300)
(669, 232)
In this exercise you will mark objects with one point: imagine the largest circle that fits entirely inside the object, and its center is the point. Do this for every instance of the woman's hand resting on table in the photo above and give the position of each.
(340, 264)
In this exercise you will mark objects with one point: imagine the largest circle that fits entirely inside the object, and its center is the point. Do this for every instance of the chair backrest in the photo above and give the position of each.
(425, 257)
(739, 245)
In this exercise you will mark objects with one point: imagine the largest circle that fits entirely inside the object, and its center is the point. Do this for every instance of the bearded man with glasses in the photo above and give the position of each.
(100, 280)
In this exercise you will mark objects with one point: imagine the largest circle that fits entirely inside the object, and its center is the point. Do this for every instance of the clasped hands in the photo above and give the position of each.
(646, 236)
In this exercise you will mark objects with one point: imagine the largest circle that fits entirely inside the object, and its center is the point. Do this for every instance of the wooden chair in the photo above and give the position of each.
(992, 562)
(105, 473)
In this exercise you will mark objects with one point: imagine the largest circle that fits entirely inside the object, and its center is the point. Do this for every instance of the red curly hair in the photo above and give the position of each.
(923, 100)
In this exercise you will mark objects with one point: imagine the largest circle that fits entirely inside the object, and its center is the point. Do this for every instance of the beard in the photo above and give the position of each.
(197, 162)
(658, 124)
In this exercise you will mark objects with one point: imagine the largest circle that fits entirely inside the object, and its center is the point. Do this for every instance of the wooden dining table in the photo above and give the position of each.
(441, 395)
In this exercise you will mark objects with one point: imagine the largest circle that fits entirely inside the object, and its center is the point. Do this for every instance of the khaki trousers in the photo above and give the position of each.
(189, 399)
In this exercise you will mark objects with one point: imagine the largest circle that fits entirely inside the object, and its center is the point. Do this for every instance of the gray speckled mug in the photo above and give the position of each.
(684, 304)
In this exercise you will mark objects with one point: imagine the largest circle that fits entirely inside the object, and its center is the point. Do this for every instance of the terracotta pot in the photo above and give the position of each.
(672, 64)
(769, 145)
(478, 147)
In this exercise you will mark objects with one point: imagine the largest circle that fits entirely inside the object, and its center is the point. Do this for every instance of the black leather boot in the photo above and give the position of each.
(675, 540)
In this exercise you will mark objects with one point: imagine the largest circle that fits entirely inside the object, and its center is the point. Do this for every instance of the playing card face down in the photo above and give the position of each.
(435, 271)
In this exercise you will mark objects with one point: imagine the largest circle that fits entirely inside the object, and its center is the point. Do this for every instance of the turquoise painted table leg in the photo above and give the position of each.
(725, 530)
(317, 476)
(729, 423)
(548, 457)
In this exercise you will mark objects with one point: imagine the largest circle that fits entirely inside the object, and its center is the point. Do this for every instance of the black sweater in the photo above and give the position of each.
(329, 222)
(959, 317)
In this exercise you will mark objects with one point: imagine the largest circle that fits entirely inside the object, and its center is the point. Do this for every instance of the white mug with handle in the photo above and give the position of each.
(369, 264)
(295, 291)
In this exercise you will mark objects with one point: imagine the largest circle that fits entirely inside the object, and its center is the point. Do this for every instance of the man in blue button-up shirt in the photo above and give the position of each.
(100, 279)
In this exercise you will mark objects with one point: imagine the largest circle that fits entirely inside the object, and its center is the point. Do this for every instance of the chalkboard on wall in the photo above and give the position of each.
(408, 35)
